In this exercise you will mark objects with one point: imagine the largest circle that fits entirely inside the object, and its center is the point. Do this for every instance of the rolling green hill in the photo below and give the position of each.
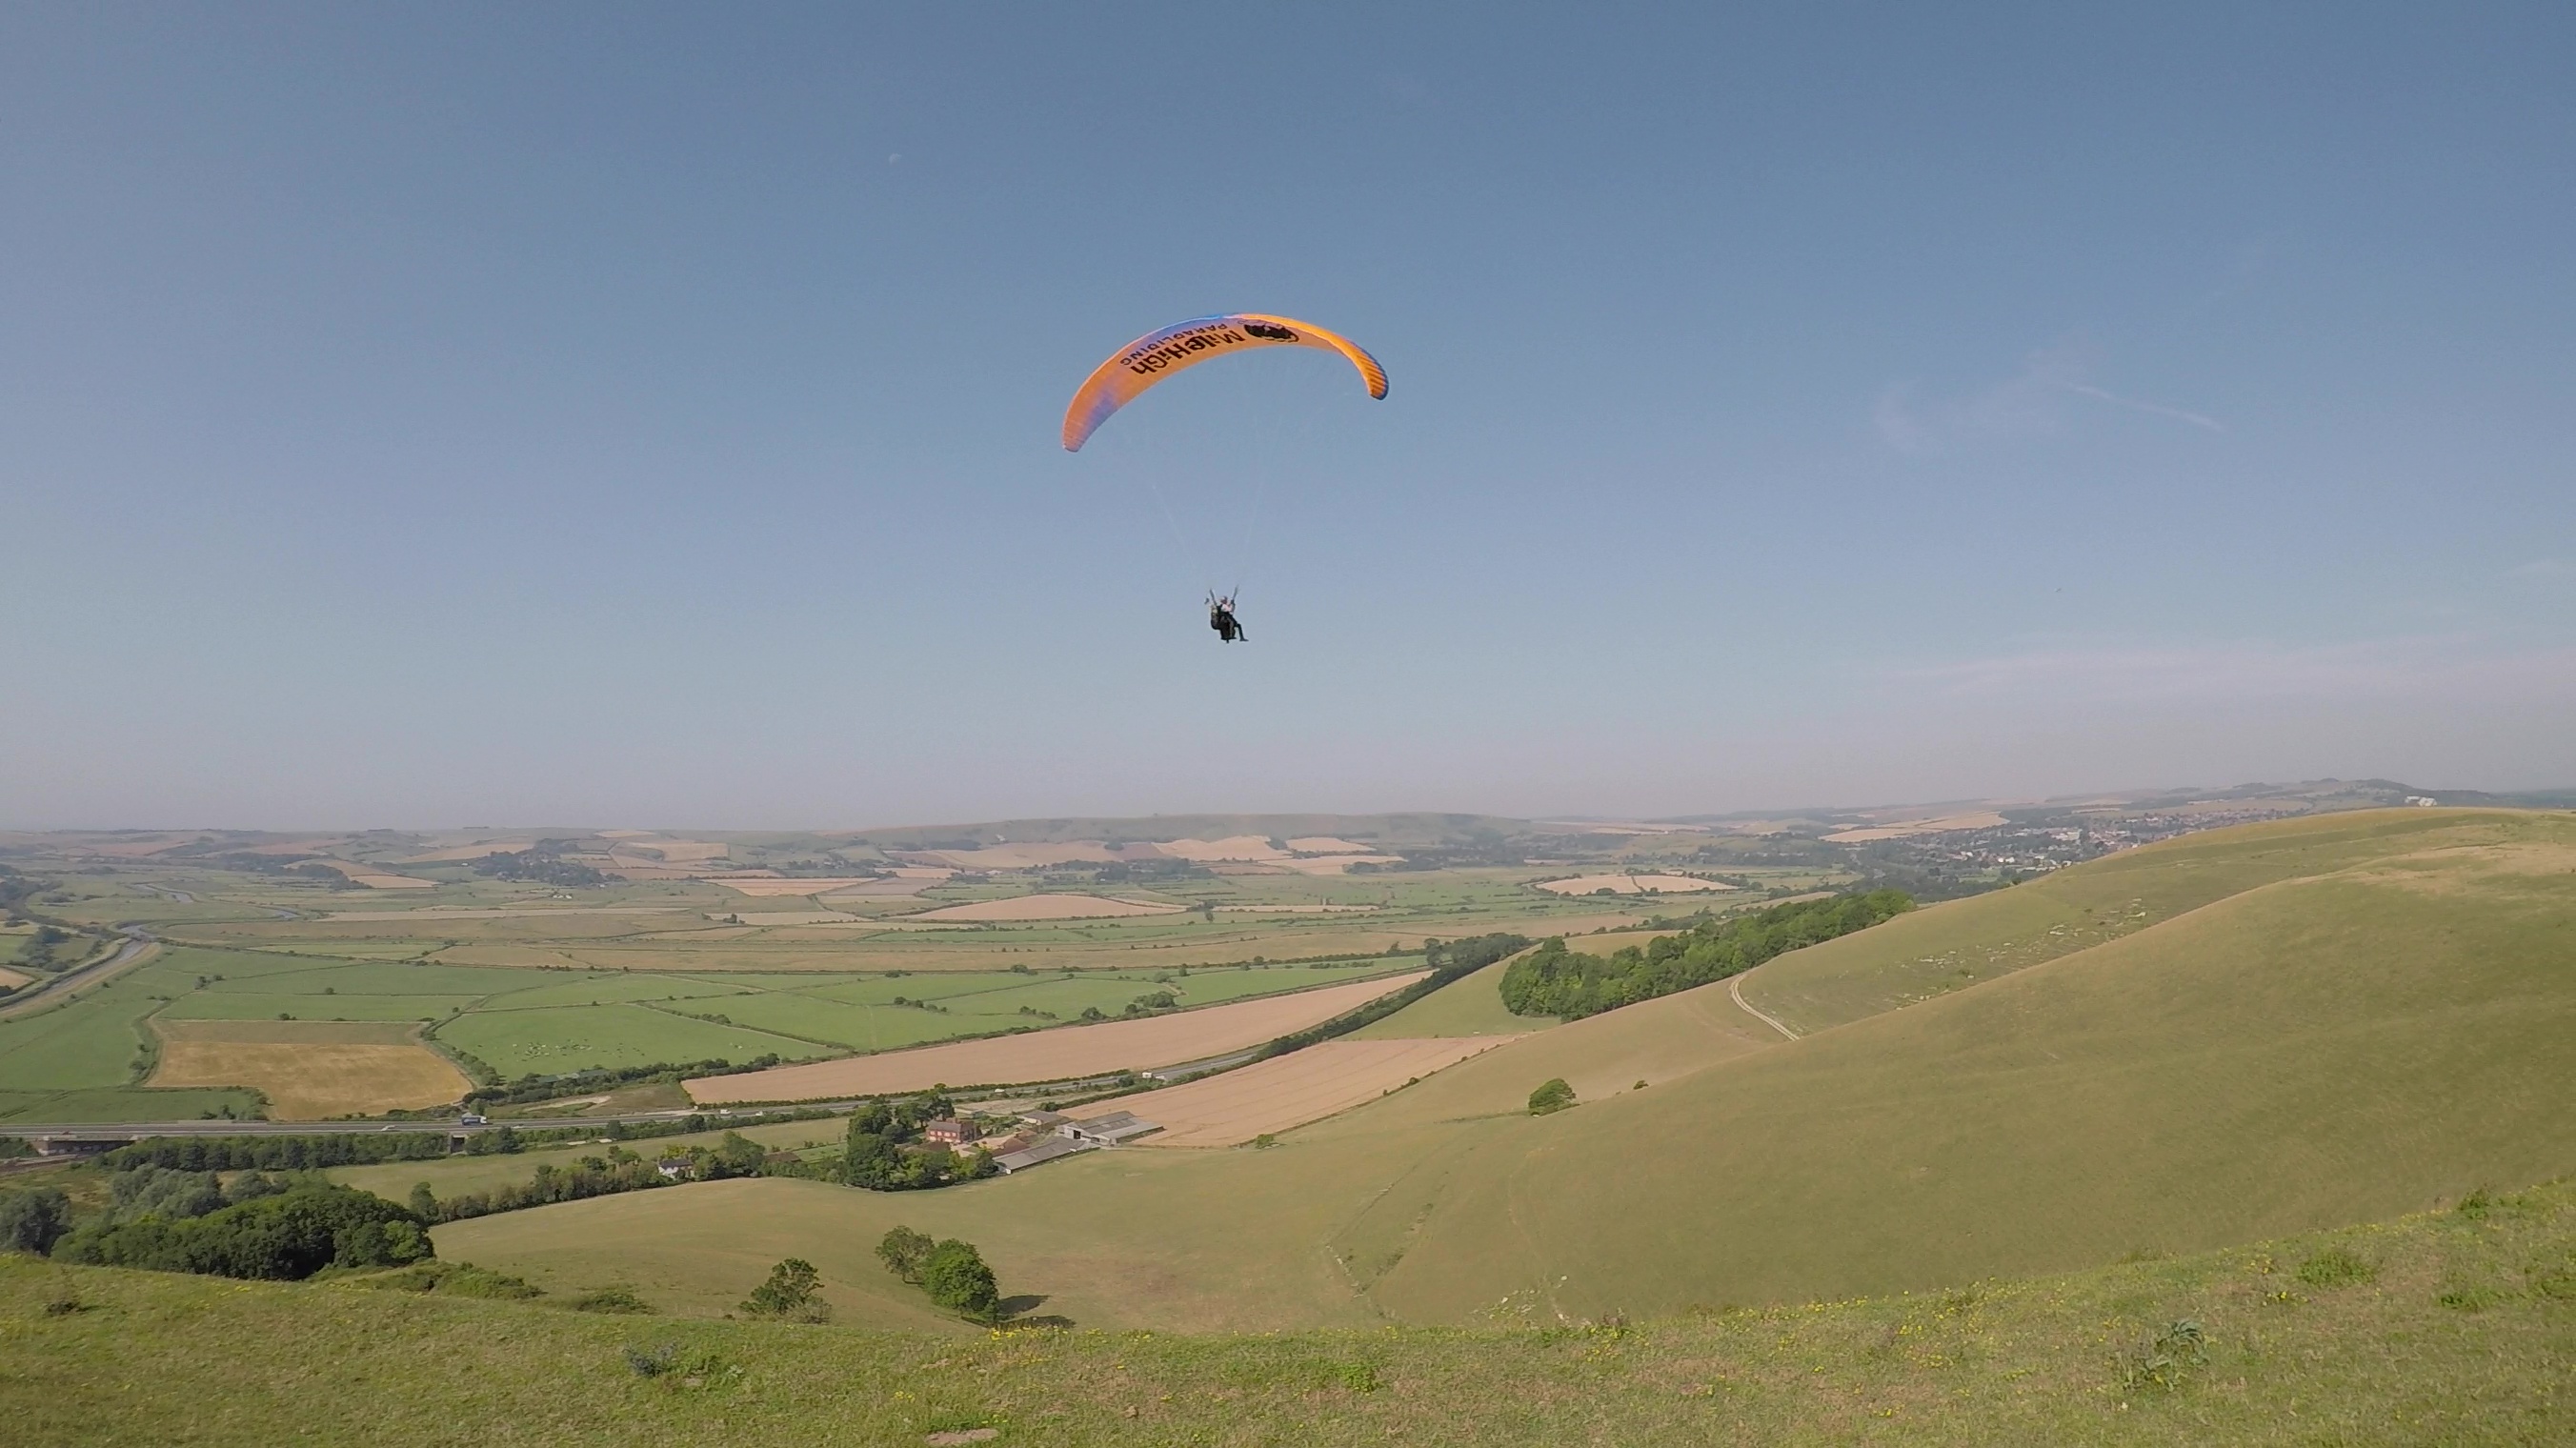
(2389, 1022)
(2270, 1029)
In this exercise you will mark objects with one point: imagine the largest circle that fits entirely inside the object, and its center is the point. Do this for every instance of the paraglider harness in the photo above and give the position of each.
(1221, 618)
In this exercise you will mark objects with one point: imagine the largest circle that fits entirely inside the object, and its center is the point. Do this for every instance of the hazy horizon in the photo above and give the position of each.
(474, 412)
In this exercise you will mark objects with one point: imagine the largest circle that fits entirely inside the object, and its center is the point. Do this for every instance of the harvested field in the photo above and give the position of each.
(774, 886)
(13, 979)
(1632, 885)
(1332, 864)
(1048, 907)
(1291, 1090)
(1326, 845)
(1055, 1055)
(469, 852)
(309, 1070)
(1232, 847)
(1981, 820)
(675, 852)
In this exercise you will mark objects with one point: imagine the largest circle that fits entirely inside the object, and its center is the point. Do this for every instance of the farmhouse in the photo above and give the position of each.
(950, 1131)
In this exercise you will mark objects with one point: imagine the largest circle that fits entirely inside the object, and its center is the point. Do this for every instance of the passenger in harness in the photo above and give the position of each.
(1221, 618)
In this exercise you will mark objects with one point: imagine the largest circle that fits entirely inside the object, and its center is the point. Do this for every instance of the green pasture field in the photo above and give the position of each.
(2458, 1330)
(569, 1038)
(520, 1022)
(1469, 1007)
(2391, 1031)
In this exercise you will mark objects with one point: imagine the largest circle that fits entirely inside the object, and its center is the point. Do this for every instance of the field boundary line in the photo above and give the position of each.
(1735, 993)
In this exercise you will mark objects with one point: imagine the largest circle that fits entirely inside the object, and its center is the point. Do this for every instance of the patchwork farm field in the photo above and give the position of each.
(125, 1048)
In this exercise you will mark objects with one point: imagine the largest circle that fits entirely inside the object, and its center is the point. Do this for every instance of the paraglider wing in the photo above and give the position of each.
(1157, 355)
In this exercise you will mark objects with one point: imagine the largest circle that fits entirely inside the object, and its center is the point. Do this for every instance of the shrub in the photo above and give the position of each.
(2161, 1362)
(1554, 1095)
(620, 1300)
(2336, 1267)
(792, 1294)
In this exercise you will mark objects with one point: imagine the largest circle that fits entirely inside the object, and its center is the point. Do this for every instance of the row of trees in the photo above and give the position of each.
(1555, 981)
(592, 1176)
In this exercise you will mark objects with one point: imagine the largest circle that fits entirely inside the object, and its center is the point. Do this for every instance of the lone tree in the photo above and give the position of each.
(1553, 1096)
(791, 1294)
(956, 1278)
(904, 1251)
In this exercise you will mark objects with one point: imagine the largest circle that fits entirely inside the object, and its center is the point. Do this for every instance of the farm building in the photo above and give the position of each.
(1111, 1130)
(950, 1131)
(1047, 1149)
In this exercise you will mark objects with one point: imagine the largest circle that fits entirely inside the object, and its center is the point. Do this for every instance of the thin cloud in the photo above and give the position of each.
(2157, 409)
(2026, 405)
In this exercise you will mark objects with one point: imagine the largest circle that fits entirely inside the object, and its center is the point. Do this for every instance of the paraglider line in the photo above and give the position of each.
(1178, 536)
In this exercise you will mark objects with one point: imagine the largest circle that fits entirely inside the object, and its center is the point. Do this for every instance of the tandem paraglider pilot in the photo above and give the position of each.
(1221, 618)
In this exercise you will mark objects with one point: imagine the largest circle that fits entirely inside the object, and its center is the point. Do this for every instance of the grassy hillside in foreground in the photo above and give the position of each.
(2448, 1328)
(2309, 1053)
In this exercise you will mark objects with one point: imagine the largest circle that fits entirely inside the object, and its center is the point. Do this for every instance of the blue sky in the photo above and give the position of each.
(433, 415)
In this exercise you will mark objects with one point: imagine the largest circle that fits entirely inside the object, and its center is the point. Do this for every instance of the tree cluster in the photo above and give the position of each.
(541, 863)
(593, 1176)
(952, 1272)
(1556, 981)
(287, 1234)
(33, 1221)
(884, 1152)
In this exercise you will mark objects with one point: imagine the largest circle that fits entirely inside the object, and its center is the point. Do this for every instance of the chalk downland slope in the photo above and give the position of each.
(2331, 1021)
(2391, 1021)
